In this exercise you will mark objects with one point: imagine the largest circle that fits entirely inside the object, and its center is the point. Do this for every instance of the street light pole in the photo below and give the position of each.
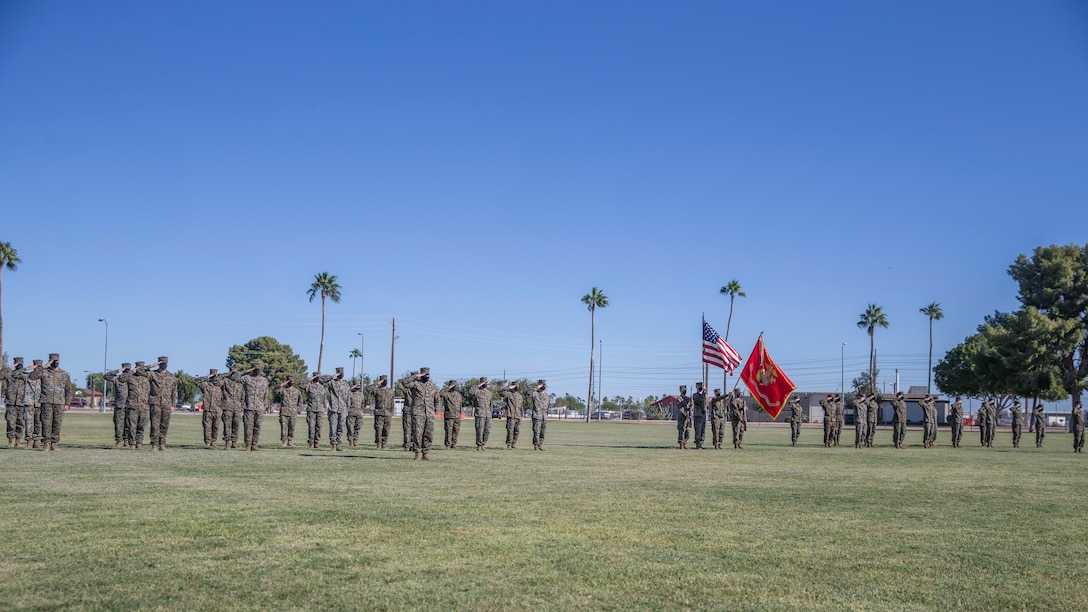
(362, 358)
(842, 368)
(600, 370)
(105, 367)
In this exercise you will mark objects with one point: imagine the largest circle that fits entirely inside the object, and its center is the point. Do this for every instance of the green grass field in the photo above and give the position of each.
(613, 516)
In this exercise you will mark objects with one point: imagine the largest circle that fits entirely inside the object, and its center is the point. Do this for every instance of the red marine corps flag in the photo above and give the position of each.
(769, 385)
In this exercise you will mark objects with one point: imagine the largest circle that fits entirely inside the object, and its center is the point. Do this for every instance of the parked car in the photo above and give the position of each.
(77, 402)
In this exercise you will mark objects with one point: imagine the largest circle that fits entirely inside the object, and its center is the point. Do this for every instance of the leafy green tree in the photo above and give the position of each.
(933, 311)
(1054, 280)
(94, 380)
(571, 403)
(593, 300)
(326, 286)
(186, 387)
(872, 318)
(9, 258)
(278, 362)
(864, 384)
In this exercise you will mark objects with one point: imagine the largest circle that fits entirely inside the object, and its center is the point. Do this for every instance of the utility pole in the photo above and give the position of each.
(392, 352)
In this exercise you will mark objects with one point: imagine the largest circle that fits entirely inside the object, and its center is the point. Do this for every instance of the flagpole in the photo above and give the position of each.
(706, 366)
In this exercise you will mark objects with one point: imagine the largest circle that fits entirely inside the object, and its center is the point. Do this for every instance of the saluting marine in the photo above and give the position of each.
(797, 416)
(683, 417)
(541, 402)
(451, 400)
(512, 410)
(738, 417)
(955, 417)
(482, 399)
(290, 399)
(698, 414)
(899, 419)
(211, 391)
(384, 405)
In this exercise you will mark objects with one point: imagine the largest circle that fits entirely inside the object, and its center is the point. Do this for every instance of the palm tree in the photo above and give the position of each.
(593, 300)
(326, 285)
(354, 354)
(9, 258)
(732, 289)
(933, 311)
(872, 318)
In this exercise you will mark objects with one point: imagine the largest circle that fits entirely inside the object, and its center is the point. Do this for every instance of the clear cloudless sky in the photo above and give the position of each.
(184, 169)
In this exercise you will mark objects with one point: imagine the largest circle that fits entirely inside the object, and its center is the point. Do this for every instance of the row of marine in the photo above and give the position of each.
(143, 395)
(692, 413)
(35, 397)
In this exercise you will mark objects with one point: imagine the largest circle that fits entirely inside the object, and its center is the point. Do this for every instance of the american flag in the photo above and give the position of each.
(717, 352)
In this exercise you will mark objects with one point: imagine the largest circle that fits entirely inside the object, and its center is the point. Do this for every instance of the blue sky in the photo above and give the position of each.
(474, 168)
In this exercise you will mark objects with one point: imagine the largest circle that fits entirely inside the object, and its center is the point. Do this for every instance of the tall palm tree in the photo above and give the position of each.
(732, 289)
(354, 354)
(933, 311)
(593, 300)
(324, 284)
(872, 318)
(9, 258)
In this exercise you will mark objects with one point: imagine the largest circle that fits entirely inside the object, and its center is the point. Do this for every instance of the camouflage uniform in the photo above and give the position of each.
(718, 410)
(828, 404)
(1017, 413)
(234, 397)
(384, 405)
(482, 398)
(512, 410)
(164, 393)
(121, 435)
(317, 406)
(683, 417)
(1078, 428)
(541, 402)
(451, 400)
(290, 399)
(354, 421)
(738, 419)
(899, 420)
(1040, 424)
(56, 393)
(929, 422)
(797, 416)
(872, 415)
(406, 413)
(137, 412)
(15, 392)
(955, 417)
(211, 389)
(698, 414)
(339, 398)
(256, 387)
(985, 422)
(840, 415)
(861, 421)
(423, 396)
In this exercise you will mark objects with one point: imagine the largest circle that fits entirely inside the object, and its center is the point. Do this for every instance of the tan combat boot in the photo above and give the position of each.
(417, 455)
(426, 457)
(35, 444)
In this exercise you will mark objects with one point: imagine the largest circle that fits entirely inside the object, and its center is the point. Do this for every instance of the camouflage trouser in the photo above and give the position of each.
(160, 423)
(738, 430)
(717, 430)
(1040, 433)
(838, 428)
(251, 420)
(422, 431)
(513, 428)
(982, 435)
(957, 432)
(336, 427)
(870, 430)
(483, 429)
(313, 427)
(52, 417)
(32, 422)
(540, 425)
(118, 424)
(406, 426)
(1078, 438)
(829, 429)
(137, 417)
(352, 426)
(211, 420)
(287, 427)
(127, 434)
(683, 430)
(795, 431)
(929, 431)
(899, 431)
(232, 422)
(16, 423)
(1017, 429)
(381, 429)
(453, 427)
(700, 429)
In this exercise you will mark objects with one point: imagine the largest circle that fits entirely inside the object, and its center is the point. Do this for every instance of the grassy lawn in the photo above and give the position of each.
(611, 517)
